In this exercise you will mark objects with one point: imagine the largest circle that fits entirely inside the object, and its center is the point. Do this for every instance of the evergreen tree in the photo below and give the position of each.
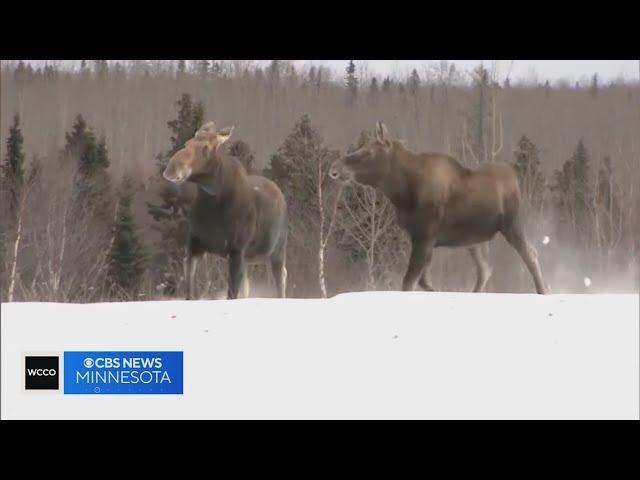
(118, 71)
(479, 112)
(274, 73)
(241, 151)
(20, 72)
(300, 168)
(84, 69)
(50, 72)
(594, 86)
(351, 82)
(374, 91)
(414, 82)
(573, 194)
(76, 138)
(92, 187)
(530, 176)
(386, 85)
(127, 254)
(100, 68)
(13, 166)
(94, 156)
(181, 68)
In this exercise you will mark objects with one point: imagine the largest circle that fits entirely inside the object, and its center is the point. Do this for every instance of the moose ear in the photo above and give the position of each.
(224, 134)
(382, 134)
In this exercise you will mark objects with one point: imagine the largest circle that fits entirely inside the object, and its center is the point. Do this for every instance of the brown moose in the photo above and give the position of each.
(238, 216)
(441, 203)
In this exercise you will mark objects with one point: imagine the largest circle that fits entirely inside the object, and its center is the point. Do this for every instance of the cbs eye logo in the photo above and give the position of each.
(41, 373)
(88, 362)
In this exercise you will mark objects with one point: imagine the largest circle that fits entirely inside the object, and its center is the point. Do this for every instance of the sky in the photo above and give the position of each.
(520, 69)
(539, 70)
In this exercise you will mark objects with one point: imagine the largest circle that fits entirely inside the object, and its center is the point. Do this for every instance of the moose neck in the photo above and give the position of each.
(394, 181)
(222, 177)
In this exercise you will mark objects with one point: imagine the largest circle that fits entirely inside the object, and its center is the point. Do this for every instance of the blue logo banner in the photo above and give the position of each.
(131, 373)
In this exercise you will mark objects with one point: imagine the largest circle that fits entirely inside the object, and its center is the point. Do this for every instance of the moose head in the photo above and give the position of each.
(194, 158)
(369, 162)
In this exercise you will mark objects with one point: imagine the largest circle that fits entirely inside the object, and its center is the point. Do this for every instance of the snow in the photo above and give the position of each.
(587, 281)
(358, 355)
(546, 240)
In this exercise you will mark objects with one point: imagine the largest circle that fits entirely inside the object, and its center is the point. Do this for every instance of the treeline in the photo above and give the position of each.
(86, 215)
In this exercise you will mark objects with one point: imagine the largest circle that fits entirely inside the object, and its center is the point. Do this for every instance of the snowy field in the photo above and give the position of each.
(362, 355)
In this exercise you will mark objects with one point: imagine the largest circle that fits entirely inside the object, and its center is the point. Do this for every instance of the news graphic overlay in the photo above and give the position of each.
(41, 373)
(131, 373)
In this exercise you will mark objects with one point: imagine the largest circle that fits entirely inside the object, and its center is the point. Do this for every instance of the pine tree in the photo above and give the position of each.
(386, 85)
(530, 176)
(181, 68)
(273, 73)
(593, 90)
(84, 70)
(414, 82)
(573, 194)
(479, 111)
(300, 168)
(127, 254)
(20, 72)
(92, 185)
(100, 68)
(94, 156)
(118, 71)
(351, 83)
(13, 166)
(76, 138)
(241, 151)
(374, 91)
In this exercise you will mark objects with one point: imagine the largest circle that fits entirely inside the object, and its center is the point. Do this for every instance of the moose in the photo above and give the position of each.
(235, 215)
(439, 202)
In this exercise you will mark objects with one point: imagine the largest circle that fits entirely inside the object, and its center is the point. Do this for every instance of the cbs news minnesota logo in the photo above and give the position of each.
(133, 373)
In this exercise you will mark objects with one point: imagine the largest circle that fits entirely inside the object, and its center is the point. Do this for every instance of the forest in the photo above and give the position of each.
(85, 215)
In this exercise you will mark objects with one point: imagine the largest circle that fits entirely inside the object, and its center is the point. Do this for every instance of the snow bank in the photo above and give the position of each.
(359, 355)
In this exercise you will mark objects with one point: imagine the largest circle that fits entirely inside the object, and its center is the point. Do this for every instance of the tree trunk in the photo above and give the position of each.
(321, 244)
(16, 248)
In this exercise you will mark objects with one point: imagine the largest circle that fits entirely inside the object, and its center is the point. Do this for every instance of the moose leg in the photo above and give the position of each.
(246, 288)
(280, 276)
(237, 270)
(514, 235)
(190, 265)
(478, 254)
(421, 252)
(424, 282)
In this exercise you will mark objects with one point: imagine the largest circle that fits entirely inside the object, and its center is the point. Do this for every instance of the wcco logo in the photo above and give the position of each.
(41, 373)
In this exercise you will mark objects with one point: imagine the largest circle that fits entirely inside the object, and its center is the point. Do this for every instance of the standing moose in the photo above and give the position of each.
(441, 203)
(235, 215)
